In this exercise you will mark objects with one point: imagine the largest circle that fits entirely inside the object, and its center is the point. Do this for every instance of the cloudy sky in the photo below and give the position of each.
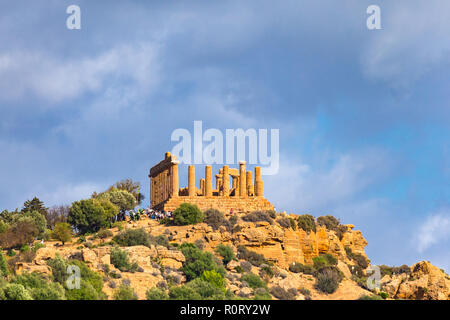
(363, 115)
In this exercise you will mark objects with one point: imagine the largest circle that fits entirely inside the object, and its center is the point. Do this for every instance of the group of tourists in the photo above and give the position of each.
(158, 215)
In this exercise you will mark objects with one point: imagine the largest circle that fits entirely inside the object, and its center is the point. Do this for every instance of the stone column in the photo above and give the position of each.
(226, 181)
(250, 190)
(191, 181)
(202, 186)
(175, 182)
(259, 186)
(242, 180)
(219, 183)
(208, 181)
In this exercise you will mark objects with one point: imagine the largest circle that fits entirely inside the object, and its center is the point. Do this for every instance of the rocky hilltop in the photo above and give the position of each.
(272, 258)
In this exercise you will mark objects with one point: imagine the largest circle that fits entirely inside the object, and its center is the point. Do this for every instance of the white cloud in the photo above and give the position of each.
(306, 187)
(414, 40)
(56, 79)
(434, 230)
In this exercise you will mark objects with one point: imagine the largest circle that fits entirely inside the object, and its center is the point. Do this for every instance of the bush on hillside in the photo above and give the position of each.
(253, 280)
(306, 222)
(215, 219)
(186, 214)
(125, 293)
(120, 259)
(39, 287)
(156, 294)
(257, 216)
(62, 232)
(226, 252)
(198, 261)
(254, 258)
(104, 233)
(91, 215)
(283, 294)
(328, 221)
(297, 267)
(360, 260)
(132, 237)
(214, 278)
(328, 279)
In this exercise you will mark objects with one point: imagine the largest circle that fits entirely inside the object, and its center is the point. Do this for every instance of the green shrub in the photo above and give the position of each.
(385, 270)
(206, 290)
(356, 270)
(254, 258)
(214, 278)
(186, 214)
(360, 260)
(160, 240)
(214, 218)
(331, 260)
(383, 295)
(266, 271)
(3, 226)
(36, 218)
(253, 280)
(11, 253)
(293, 224)
(306, 222)
(156, 294)
(91, 215)
(121, 199)
(38, 246)
(226, 252)
(257, 216)
(62, 232)
(283, 294)
(330, 222)
(104, 233)
(120, 259)
(14, 291)
(125, 293)
(319, 262)
(284, 222)
(184, 293)
(262, 294)
(25, 248)
(297, 267)
(328, 280)
(197, 262)
(324, 260)
(4, 271)
(340, 231)
(22, 231)
(91, 283)
(39, 287)
(85, 292)
(132, 237)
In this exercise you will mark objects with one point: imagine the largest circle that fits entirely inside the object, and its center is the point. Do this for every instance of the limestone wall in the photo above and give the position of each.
(221, 203)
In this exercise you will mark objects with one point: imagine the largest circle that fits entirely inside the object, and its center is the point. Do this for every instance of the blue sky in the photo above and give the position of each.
(363, 115)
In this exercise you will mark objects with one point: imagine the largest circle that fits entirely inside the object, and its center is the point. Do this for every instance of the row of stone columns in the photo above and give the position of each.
(242, 183)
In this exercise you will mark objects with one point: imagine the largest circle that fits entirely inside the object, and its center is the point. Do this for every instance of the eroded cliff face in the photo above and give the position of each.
(282, 246)
(425, 282)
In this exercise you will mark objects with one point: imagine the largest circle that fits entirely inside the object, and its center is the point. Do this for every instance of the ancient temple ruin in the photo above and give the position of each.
(235, 188)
